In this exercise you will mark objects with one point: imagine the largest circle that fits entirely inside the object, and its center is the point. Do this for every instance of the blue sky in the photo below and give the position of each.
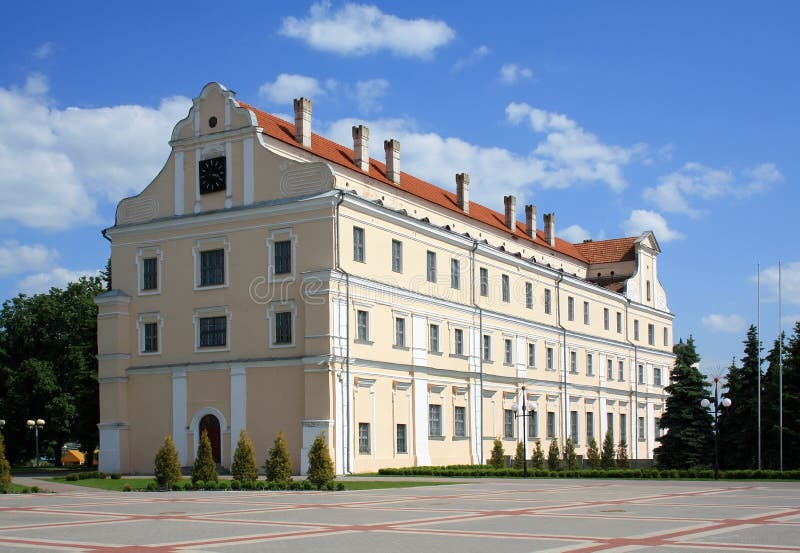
(678, 117)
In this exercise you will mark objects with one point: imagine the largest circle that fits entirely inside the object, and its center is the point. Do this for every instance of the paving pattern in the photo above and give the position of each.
(474, 516)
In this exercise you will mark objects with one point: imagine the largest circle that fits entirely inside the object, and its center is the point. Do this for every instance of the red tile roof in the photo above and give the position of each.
(327, 149)
(608, 251)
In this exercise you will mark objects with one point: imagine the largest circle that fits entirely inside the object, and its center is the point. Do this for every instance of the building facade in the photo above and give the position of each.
(269, 279)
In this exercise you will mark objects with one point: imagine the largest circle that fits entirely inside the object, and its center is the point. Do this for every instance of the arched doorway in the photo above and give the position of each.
(210, 424)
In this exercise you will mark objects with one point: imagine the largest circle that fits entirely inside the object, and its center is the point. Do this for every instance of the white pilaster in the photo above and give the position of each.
(419, 345)
(238, 403)
(651, 430)
(421, 421)
(228, 175)
(339, 327)
(521, 358)
(179, 183)
(248, 171)
(340, 424)
(197, 180)
(602, 422)
(475, 416)
(179, 414)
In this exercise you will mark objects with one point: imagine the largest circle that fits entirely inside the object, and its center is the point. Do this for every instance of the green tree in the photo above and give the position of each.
(738, 424)
(791, 402)
(553, 455)
(244, 467)
(570, 458)
(278, 466)
(688, 441)
(5, 467)
(537, 457)
(593, 454)
(204, 469)
(498, 458)
(608, 453)
(622, 455)
(167, 468)
(770, 406)
(320, 464)
(519, 457)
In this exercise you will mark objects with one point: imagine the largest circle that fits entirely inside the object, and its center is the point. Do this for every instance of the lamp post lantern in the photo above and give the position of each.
(521, 410)
(35, 425)
(717, 403)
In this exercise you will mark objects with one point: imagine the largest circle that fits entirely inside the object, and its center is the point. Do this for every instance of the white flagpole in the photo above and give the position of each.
(758, 356)
(780, 370)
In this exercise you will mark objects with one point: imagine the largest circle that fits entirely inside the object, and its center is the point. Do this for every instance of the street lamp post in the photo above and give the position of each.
(35, 426)
(522, 411)
(724, 402)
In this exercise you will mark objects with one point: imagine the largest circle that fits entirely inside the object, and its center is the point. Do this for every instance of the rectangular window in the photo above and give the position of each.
(550, 360)
(434, 420)
(610, 370)
(531, 355)
(621, 366)
(212, 267)
(657, 376)
(641, 429)
(551, 424)
(666, 336)
(431, 266)
(358, 244)
(400, 332)
(636, 329)
(363, 438)
(362, 325)
(623, 428)
(641, 374)
(487, 347)
(657, 427)
(283, 327)
(589, 426)
(533, 424)
(150, 273)
(484, 281)
(590, 364)
(573, 427)
(606, 318)
(548, 301)
(459, 341)
(573, 362)
(619, 322)
(455, 274)
(506, 288)
(508, 351)
(283, 257)
(529, 295)
(150, 344)
(460, 421)
(213, 332)
(586, 312)
(570, 308)
(508, 424)
(397, 256)
(433, 335)
(401, 439)
(651, 334)
(610, 424)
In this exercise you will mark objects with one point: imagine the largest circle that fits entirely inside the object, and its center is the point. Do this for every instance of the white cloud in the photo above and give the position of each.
(724, 323)
(58, 277)
(18, 258)
(789, 282)
(642, 220)
(368, 94)
(55, 163)
(697, 180)
(474, 57)
(574, 234)
(571, 153)
(360, 29)
(45, 50)
(286, 87)
(511, 73)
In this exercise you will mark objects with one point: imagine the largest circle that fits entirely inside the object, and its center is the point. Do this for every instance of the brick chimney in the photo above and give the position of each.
(302, 121)
(511, 212)
(462, 191)
(530, 220)
(550, 228)
(392, 149)
(361, 147)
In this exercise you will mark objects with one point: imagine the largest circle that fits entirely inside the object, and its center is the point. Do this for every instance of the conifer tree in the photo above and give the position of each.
(770, 406)
(688, 441)
(622, 455)
(498, 458)
(167, 468)
(791, 402)
(570, 458)
(519, 458)
(608, 454)
(5, 467)
(205, 469)
(592, 454)
(278, 466)
(320, 464)
(244, 467)
(537, 457)
(553, 455)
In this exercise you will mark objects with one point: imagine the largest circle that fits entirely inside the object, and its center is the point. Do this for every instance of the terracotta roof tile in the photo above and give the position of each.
(608, 251)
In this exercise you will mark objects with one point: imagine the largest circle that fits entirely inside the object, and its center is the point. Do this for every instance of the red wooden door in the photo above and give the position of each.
(210, 424)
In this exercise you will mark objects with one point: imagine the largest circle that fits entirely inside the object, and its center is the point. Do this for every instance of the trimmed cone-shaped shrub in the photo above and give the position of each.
(622, 456)
(320, 464)
(5, 467)
(592, 454)
(244, 467)
(205, 469)
(570, 458)
(553, 455)
(608, 454)
(278, 466)
(537, 457)
(498, 458)
(519, 458)
(167, 468)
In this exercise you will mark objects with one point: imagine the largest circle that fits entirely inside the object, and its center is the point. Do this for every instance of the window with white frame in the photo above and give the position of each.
(531, 356)
(149, 274)
(550, 359)
(666, 336)
(589, 364)
(433, 338)
(610, 424)
(484, 282)
(657, 376)
(397, 256)
(586, 312)
(573, 362)
(212, 329)
(358, 244)
(610, 369)
(606, 318)
(651, 334)
(434, 420)
(508, 347)
(487, 347)
(402, 446)
(363, 438)
(619, 322)
(400, 331)
(573, 427)
(533, 424)
(148, 261)
(529, 295)
(150, 325)
(508, 424)
(641, 434)
(211, 262)
(636, 329)
(458, 341)
(282, 317)
(431, 266)
(362, 325)
(589, 426)
(506, 288)
(283, 327)
(621, 367)
(551, 424)
(282, 256)
(548, 301)
(623, 428)
(641, 374)
(460, 421)
(455, 274)
(570, 308)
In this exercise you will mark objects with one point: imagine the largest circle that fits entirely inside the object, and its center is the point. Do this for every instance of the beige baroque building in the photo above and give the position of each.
(270, 279)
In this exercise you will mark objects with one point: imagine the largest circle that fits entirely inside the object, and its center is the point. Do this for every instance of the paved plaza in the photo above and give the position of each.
(469, 516)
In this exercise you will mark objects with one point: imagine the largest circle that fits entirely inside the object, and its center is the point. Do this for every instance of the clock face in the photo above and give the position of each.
(212, 175)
